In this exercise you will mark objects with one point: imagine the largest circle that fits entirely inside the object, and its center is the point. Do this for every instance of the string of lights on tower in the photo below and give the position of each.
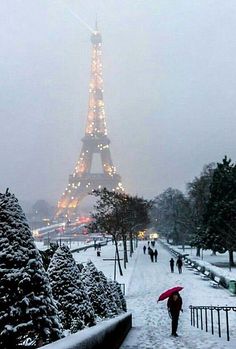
(83, 181)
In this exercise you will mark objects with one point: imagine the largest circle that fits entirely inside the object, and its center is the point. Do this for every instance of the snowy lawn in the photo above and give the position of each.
(215, 263)
(107, 266)
(220, 259)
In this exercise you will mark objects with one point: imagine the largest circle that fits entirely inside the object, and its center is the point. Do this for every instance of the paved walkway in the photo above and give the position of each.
(151, 323)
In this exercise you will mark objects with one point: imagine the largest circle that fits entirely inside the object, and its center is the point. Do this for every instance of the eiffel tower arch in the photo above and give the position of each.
(82, 181)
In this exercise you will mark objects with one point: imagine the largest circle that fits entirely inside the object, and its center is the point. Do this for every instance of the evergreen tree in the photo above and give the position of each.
(122, 298)
(47, 254)
(112, 308)
(75, 309)
(199, 194)
(220, 217)
(95, 289)
(27, 308)
(116, 295)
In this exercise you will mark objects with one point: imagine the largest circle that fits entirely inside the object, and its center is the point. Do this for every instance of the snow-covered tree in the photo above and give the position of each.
(220, 216)
(173, 214)
(119, 214)
(199, 194)
(115, 295)
(47, 254)
(120, 295)
(75, 308)
(95, 289)
(122, 298)
(112, 308)
(27, 308)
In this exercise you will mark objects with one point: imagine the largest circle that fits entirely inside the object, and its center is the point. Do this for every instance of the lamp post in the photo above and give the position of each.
(132, 230)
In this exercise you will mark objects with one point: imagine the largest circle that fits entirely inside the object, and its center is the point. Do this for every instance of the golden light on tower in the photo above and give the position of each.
(82, 181)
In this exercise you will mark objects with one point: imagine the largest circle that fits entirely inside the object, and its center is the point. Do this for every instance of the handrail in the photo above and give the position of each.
(200, 311)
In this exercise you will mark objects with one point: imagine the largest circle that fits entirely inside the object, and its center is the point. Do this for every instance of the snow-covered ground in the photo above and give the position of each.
(151, 324)
(106, 262)
(144, 282)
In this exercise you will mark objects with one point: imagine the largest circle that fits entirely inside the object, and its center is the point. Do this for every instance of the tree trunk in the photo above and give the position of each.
(125, 251)
(131, 244)
(118, 258)
(198, 252)
(231, 258)
(229, 262)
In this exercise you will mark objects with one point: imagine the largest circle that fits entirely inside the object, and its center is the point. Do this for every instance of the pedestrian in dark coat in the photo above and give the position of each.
(172, 263)
(151, 254)
(155, 254)
(174, 305)
(179, 264)
(148, 243)
(144, 249)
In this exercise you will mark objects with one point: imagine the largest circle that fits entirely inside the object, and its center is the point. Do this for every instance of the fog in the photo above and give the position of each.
(169, 90)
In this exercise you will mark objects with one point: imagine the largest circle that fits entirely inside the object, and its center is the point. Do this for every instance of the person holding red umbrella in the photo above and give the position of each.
(174, 305)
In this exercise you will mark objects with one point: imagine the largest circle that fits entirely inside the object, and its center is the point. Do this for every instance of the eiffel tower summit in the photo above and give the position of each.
(82, 181)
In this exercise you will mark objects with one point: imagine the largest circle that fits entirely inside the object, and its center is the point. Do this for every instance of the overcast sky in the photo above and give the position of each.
(170, 90)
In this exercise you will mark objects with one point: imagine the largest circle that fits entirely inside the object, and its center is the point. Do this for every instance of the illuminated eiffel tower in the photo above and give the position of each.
(82, 181)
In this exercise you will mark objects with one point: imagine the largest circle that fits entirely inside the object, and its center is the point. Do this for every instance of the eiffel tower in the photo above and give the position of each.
(82, 181)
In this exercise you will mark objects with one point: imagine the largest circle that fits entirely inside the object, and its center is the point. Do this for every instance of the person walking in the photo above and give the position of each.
(172, 263)
(151, 254)
(179, 264)
(155, 254)
(174, 305)
(144, 249)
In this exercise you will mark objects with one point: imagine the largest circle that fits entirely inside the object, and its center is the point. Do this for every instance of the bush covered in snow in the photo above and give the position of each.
(74, 305)
(112, 308)
(95, 289)
(118, 296)
(48, 253)
(27, 309)
(122, 298)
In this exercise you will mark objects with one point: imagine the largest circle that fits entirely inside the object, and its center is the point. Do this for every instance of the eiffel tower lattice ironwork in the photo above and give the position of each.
(83, 181)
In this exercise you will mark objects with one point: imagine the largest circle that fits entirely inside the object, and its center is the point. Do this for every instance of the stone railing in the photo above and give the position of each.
(108, 334)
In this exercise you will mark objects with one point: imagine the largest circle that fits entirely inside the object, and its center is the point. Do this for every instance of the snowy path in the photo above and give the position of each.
(151, 324)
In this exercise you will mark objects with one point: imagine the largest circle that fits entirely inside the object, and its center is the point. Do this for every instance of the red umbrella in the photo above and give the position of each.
(169, 292)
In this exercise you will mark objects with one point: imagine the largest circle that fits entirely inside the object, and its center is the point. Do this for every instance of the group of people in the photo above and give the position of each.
(179, 264)
(174, 303)
(152, 251)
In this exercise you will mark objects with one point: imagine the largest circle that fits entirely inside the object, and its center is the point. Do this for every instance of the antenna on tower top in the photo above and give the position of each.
(75, 15)
(96, 23)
